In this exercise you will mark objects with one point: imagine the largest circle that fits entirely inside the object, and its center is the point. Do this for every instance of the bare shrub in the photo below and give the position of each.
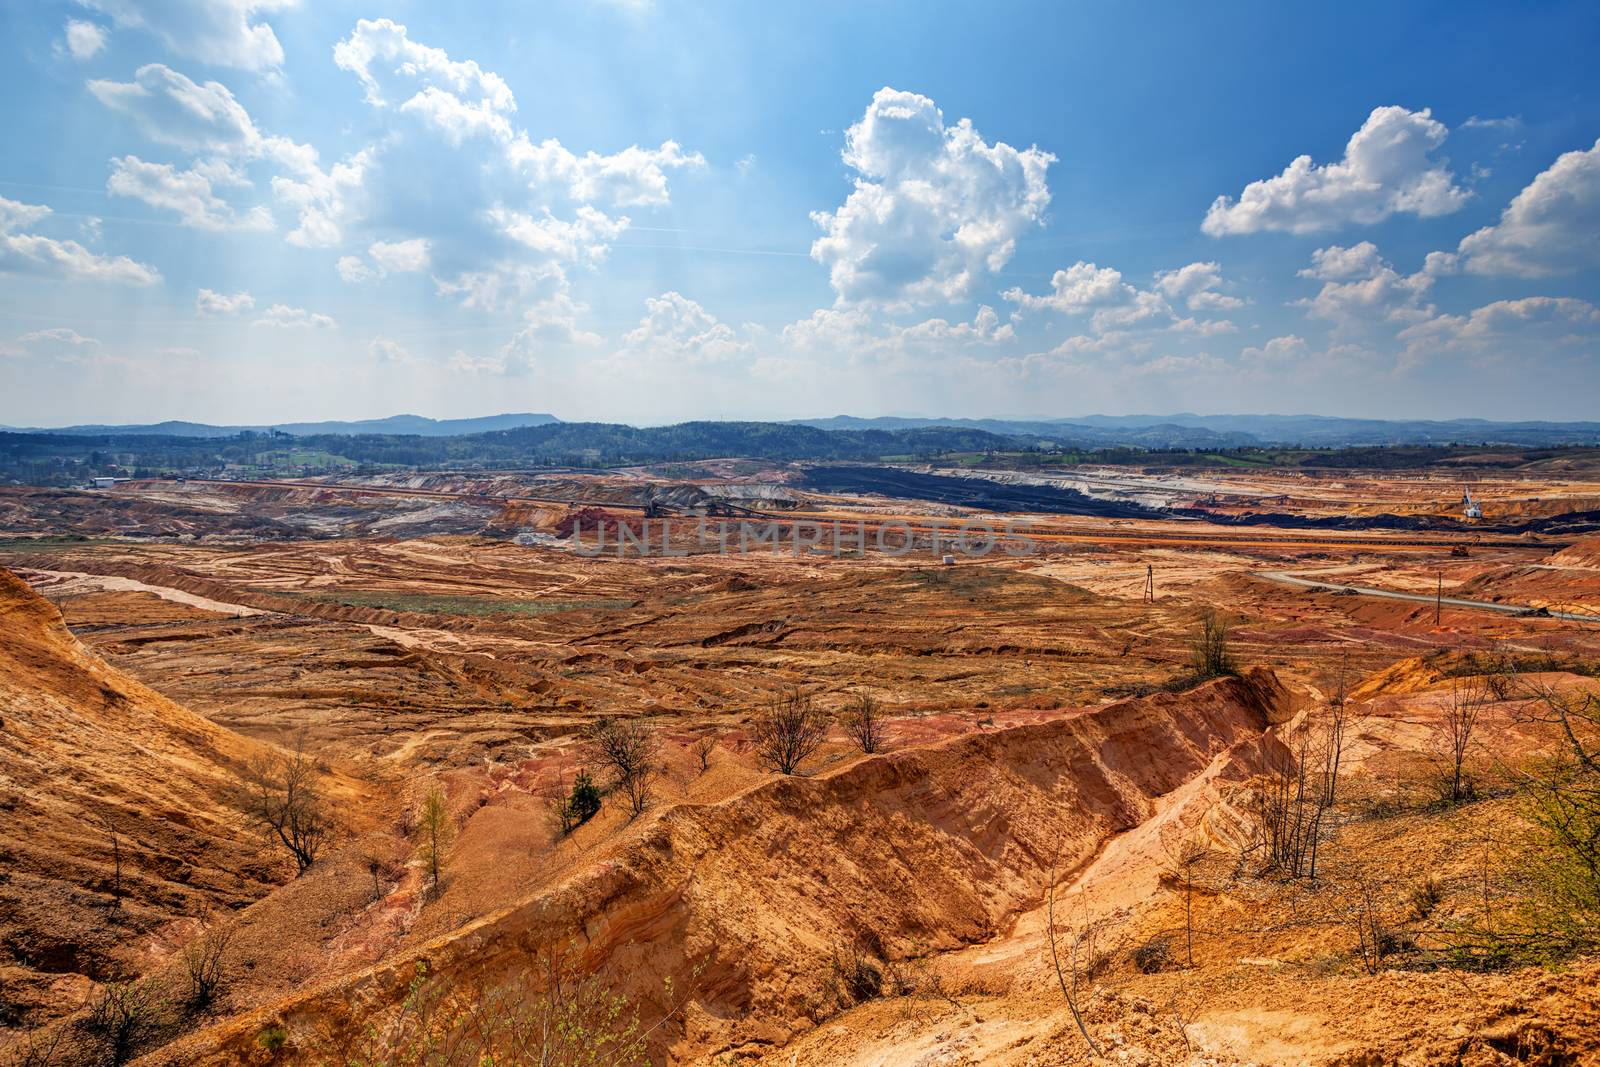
(1154, 956)
(435, 830)
(117, 892)
(863, 723)
(1425, 897)
(282, 795)
(120, 1015)
(1211, 656)
(788, 731)
(702, 748)
(1079, 965)
(205, 965)
(1286, 813)
(1452, 740)
(1182, 861)
(381, 869)
(1376, 939)
(629, 748)
(855, 976)
(42, 1048)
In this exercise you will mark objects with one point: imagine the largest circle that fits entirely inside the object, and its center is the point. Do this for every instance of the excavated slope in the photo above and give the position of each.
(84, 750)
(743, 902)
(1584, 553)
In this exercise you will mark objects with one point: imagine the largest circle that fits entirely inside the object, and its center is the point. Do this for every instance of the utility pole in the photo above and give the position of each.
(1149, 583)
(1438, 599)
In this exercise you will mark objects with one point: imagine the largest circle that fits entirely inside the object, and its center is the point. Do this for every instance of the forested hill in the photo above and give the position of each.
(56, 458)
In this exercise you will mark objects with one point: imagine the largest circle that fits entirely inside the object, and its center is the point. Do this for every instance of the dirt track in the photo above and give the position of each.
(1333, 586)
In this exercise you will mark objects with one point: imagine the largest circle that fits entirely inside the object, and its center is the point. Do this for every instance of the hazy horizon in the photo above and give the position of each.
(1143, 415)
(228, 211)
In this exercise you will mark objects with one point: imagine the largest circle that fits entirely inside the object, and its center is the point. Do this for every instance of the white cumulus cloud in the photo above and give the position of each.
(190, 194)
(1197, 286)
(934, 209)
(58, 335)
(390, 64)
(35, 254)
(678, 330)
(1551, 227)
(1388, 168)
(1359, 287)
(211, 302)
(506, 215)
(354, 270)
(282, 316)
(84, 40)
(400, 257)
(173, 109)
(224, 32)
(1509, 327)
(1101, 292)
(386, 350)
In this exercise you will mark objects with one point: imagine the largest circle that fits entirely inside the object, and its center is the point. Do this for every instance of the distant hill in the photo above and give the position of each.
(1157, 434)
(1180, 431)
(55, 458)
(1234, 431)
(407, 425)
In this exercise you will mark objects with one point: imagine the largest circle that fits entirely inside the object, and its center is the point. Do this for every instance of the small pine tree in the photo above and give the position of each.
(574, 809)
(434, 832)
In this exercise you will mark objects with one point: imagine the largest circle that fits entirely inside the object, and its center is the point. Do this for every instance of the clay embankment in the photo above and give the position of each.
(94, 764)
(743, 902)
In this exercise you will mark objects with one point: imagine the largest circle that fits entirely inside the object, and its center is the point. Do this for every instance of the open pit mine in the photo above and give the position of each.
(801, 764)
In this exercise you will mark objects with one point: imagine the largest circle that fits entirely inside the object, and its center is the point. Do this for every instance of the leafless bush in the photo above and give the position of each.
(629, 748)
(39, 1049)
(1376, 939)
(282, 795)
(1182, 861)
(702, 748)
(205, 965)
(435, 830)
(788, 731)
(856, 977)
(120, 1015)
(1291, 806)
(1426, 895)
(1286, 812)
(1212, 657)
(1154, 956)
(1080, 961)
(863, 723)
(1453, 734)
(381, 868)
(116, 866)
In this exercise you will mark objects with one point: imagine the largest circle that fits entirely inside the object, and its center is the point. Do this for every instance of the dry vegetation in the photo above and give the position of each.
(455, 801)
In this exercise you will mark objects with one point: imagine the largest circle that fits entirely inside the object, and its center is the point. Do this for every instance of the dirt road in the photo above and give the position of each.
(1286, 578)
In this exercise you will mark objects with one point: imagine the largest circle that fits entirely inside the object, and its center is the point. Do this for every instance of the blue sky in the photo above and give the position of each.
(269, 210)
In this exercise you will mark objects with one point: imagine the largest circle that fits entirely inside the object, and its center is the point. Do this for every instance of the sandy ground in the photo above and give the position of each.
(1029, 729)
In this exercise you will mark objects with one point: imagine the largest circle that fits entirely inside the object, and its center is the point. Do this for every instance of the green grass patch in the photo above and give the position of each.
(480, 606)
(33, 544)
